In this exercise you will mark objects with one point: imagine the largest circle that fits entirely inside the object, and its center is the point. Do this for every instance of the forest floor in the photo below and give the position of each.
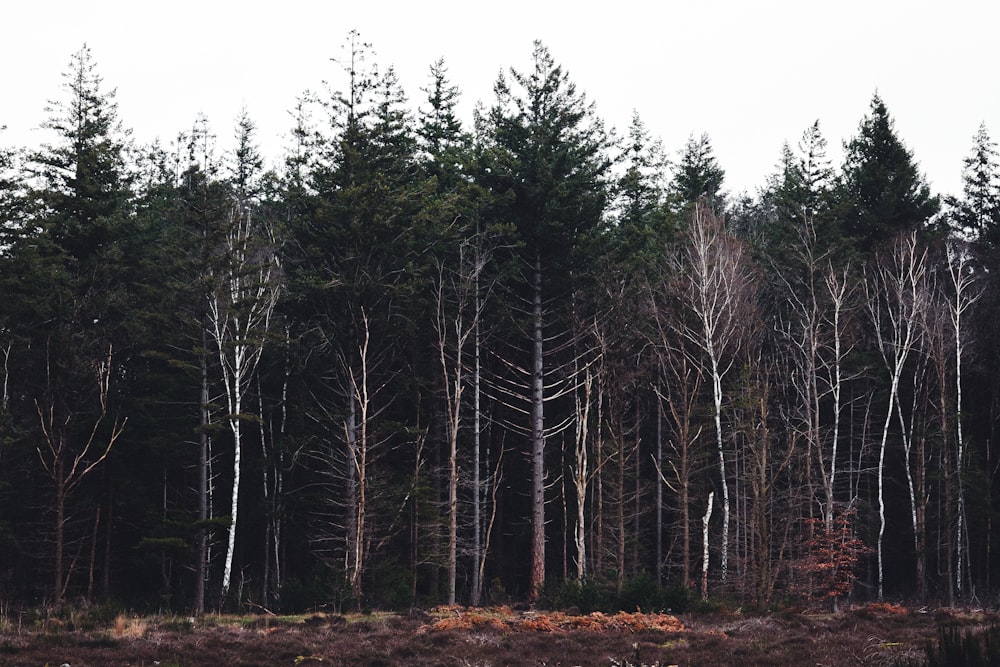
(877, 634)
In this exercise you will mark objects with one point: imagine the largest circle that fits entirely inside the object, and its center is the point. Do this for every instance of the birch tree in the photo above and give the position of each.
(247, 287)
(965, 291)
(717, 292)
(896, 297)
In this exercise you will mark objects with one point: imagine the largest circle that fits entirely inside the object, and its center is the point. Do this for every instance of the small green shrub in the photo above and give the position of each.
(640, 592)
(585, 596)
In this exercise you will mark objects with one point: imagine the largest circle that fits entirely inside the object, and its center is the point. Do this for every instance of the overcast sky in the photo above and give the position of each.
(750, 74)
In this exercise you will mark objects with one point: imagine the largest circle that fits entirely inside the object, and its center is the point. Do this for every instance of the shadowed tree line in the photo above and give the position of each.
(418, 362)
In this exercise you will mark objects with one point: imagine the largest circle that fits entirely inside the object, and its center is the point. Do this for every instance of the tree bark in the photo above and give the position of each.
(704, 542)
(537, 580)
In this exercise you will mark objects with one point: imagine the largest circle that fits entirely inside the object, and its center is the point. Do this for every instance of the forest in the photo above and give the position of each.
(422, 363)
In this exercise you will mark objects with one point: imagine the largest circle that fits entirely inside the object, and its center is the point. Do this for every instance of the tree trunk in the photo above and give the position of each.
(537, 440)
(453, 491)
(704, 542)
(637, 500)
(581, 473)
(59, 585)
(201, 568)
(477, 484)
(659, 490)
(93, 554)
(620, 514)
(717, 415)
(881, 483)
(235, 427)
(106, 572)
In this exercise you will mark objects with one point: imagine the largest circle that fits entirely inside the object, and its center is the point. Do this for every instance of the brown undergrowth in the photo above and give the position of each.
(504, 619)
(889, 635)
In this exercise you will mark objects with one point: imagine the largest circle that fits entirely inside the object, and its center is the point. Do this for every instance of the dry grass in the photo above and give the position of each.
(506, 620)
(129, 627)
(872, 635)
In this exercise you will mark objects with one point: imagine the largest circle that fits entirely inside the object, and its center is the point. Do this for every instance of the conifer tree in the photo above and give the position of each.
(976, 215)
(643, 223)
(698, 175)
(72, 314)
(550, 164)
(801, 194)
(881, 189)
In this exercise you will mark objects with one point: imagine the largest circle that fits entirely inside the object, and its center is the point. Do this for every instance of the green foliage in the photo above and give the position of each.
(698, 175)
(799, 202)
(550, 161)
(643, 225)
(976, 215)
(882, 193)
(639, 593)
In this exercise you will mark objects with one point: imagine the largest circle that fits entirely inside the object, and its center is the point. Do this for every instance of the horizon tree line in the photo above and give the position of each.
(423, 363)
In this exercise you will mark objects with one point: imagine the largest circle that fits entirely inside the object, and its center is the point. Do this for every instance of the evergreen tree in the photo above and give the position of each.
(67, 302)
(442, 138)
(799, 203)
(803, 186)
(549, 161)
(698, 175)
(881, 189)
(357, 277)
(976, 216)
(643, 222)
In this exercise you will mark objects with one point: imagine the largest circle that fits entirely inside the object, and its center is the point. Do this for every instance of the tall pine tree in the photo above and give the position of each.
(71, 313)
(550, 163)
(882, 191)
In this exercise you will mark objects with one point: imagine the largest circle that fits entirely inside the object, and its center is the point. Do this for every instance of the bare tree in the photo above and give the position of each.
(359, 446)
(718, 291)
(349, 403)
(839, 291)
(582, 472)
(897, 298)
(67, 462)
(818, 300)
(966, 290)
(679, 394)
(459, 305)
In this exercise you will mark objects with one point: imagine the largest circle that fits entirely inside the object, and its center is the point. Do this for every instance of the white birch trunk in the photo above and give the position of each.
(962, 286)
(896, 298)
(704, 541)
(239, 316)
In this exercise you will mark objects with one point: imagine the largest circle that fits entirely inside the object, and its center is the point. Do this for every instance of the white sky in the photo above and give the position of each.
(752, 74)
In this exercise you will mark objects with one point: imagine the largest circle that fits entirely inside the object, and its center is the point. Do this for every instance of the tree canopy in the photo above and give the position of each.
(424, 361)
